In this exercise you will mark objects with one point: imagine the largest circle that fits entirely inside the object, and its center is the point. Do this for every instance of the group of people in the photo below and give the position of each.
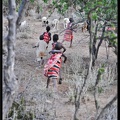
(52, 69)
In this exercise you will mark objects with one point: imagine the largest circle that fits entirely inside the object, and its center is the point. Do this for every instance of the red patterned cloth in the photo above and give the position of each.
(110, 28)
(52, 67)
(46, 37)
(68, 36)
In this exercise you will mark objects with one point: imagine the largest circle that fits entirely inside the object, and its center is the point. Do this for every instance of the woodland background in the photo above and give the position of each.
(89, 88)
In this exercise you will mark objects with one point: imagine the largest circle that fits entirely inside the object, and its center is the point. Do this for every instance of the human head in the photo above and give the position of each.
(55, 37)
(41, 37)
(48, 28)
(71, 20)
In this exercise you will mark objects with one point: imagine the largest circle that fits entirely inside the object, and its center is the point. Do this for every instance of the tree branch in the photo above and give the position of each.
(107, 106)
(21, 12)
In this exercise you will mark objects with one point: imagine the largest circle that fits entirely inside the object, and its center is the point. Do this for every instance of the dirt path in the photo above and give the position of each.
(32, 81)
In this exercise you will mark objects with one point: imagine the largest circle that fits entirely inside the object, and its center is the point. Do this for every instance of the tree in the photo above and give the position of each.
(23, 6)
(96, 12)
(10, 82)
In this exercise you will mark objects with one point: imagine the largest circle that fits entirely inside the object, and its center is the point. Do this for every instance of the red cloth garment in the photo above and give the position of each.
(68, 36)
(52, 67)
(110, 28)
(46, 37)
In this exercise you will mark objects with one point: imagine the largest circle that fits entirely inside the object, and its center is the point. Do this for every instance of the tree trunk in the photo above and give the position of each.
(10, 84)
(21, 12)
(107, 106)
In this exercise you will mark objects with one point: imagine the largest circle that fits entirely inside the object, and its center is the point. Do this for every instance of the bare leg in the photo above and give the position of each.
(60, 77)
(71, 43)
(55, 84)
(48, 82)
(42, 61)
(39, 62)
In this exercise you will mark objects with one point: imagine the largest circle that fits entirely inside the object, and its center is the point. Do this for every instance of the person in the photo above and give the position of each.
(47, 35)
(52, 67)
(40, 50)
(68, 36)
(55, 41)
(58, 46)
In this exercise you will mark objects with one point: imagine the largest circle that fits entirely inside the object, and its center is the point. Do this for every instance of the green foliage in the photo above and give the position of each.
(101, 71)
(99, 3)
(111, 35)
(113, 42)
(32, 1)
(18, 2)
(17, 8)
(100, 90)
(40, 8)
(103, 10)
(20, 109)
(94, 16)
(5, 3)
(45, 1)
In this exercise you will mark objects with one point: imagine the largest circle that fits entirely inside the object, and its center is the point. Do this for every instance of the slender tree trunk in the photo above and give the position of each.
(78, 93)
(91, 45)
(21, 12)
(10, 84)
(99, 44)
(107, 106)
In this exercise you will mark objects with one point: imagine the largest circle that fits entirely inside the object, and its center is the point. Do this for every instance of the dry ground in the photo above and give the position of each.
(45, 103)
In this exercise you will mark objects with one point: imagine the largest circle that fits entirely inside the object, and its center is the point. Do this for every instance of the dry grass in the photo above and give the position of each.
(47, 105)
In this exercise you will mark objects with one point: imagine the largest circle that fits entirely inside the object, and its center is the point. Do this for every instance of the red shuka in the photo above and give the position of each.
(52, 68)
(46, 37)
(68, 36)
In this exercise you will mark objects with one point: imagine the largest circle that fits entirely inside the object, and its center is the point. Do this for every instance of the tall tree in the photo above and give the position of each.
(9, 80)
(10, 83)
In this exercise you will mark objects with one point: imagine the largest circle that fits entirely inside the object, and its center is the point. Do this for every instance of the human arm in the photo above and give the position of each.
(65, 58)
(64, 49)
(50, 35)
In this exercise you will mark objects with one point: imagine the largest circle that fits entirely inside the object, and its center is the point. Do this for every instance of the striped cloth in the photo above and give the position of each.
(52, 67)
(68, 36)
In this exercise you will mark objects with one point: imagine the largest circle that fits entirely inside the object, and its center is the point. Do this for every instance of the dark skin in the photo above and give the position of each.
(60, 45)
(73, 31)
(65, 58)
(71, 39)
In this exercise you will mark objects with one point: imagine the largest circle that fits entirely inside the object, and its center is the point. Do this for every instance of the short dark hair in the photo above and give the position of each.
(55, 37)
(71, 20)
(48, 28)
(41, 37)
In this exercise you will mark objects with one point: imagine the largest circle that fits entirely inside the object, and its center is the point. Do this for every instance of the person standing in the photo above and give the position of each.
(68, 36)
(47, 35)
